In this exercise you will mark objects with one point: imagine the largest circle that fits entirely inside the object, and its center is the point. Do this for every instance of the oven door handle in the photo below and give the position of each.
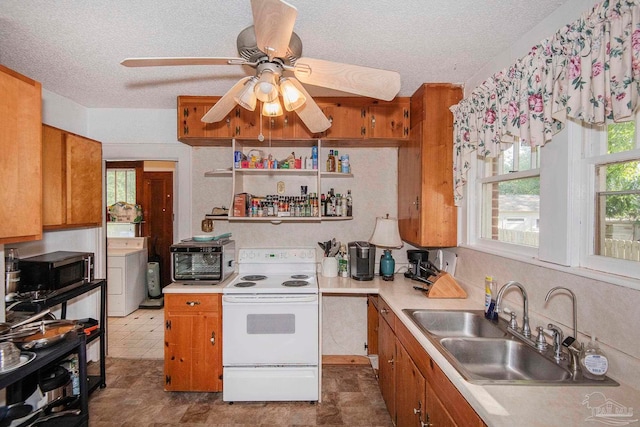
(270, 299)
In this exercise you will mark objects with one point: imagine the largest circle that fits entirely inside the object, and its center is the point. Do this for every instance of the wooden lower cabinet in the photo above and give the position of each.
(414, 388)
(410, 390)
(386, 364)
(193, 342)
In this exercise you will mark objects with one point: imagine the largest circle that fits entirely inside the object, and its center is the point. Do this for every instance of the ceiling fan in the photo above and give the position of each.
(275, 51)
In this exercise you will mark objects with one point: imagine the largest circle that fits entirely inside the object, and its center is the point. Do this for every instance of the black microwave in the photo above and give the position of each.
(55, 270)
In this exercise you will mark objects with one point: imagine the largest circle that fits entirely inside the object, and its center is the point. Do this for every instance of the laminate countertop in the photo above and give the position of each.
(497, 405)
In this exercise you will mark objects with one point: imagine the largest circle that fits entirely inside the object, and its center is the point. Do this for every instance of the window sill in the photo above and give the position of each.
(615, 279)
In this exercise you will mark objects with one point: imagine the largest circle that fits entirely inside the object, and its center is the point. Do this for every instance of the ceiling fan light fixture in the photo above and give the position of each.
(291, 96)
(266, 89)
(272, 109)
(247, 97)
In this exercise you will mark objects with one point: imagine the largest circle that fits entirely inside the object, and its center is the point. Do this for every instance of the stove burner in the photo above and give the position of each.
(300, 276)
(254, 277)
(245, 284)
(295, 283)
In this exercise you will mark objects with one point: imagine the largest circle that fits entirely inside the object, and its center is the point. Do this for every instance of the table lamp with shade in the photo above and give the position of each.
(386, 236)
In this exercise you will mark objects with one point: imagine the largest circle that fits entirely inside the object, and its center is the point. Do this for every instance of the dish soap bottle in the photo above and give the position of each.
(593, 362)
(489, 298)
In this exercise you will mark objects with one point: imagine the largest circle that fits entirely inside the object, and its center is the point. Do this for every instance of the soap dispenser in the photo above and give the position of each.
(593, 361)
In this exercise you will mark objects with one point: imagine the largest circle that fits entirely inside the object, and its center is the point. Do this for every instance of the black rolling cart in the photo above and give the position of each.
(62, 298)
(72, 344)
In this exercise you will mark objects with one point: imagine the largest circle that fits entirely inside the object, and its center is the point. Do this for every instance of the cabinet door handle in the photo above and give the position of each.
(417, 203)
(391, 361)
(228, 122)
(373, 122)
(384, 311)
(213, 338)
(193, 303)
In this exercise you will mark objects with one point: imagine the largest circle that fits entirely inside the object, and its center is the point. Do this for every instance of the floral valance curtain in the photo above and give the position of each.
(589, 71)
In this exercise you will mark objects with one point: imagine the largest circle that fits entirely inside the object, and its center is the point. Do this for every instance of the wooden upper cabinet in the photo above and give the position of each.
(352, 118)
(347, 117)
(389, 120)
(72, 180)
(20, 161)
(427, 216)
(192, 129)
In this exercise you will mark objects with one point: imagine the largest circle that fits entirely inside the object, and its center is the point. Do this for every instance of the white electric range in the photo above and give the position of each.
(270, 324)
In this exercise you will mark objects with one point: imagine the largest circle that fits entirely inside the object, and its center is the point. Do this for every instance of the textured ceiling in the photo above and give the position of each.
(74, 47)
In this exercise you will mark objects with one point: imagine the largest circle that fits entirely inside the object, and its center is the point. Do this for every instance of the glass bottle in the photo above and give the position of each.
(349, 203)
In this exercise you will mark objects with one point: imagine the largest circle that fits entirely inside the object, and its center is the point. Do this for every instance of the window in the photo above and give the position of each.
(616, 206)
(510, 196)
(121, 186)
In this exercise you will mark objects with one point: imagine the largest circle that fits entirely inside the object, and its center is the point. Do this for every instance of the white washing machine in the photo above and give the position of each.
(126, 274)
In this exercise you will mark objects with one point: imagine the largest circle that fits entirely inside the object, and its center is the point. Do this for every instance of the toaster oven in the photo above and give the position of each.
(207, 263)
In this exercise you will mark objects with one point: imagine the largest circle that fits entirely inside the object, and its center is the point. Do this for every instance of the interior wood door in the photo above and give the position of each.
(157, 206)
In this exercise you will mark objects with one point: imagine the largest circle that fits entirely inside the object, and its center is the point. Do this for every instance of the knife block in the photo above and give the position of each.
(445, 286)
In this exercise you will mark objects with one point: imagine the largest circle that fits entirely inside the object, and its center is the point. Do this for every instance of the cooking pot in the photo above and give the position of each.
(55, 383)
(47, 332)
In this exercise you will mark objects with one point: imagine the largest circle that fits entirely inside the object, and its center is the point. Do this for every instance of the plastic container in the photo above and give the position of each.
(490, 298)
(593, 361)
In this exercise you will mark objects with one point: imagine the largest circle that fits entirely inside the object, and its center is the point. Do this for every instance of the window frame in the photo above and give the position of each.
(595, 155)
(566, 162)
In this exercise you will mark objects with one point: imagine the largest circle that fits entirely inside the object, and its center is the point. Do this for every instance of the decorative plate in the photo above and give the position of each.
(25, 357)
(202, 238)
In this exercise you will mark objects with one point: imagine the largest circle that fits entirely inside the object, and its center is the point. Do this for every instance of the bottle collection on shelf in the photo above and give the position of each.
(306, 205)
(258, 160)
(336, 163)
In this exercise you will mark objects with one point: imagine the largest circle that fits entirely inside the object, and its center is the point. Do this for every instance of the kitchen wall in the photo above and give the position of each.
(373, 187)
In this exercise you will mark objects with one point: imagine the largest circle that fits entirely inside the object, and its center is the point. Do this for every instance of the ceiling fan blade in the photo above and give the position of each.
(273, 22)
(225, 104)
(365, 81)
(157, 62)
(310, 114)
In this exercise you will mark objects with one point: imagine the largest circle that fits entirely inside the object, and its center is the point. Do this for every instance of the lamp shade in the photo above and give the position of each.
(272, 109)
(266, 89)
(247, 97)
(291, 96)
(386, 233)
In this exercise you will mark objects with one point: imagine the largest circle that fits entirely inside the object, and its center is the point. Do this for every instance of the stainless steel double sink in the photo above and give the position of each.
(484, 352)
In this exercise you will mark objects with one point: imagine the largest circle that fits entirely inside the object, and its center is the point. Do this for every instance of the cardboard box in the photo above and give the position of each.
(241, 204)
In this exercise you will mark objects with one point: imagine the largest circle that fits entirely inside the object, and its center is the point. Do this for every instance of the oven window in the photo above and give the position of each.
(258, 324)
(202, 266)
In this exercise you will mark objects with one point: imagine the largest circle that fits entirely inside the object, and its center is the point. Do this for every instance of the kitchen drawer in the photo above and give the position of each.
(387, 314)
(191, 303)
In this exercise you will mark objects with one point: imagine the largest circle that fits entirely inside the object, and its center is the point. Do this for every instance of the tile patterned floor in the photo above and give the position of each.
(134, 397)
(136, 336)
(134, 394)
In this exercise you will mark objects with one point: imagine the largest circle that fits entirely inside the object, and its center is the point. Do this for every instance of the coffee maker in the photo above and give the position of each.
(416, 257)
(362, 256)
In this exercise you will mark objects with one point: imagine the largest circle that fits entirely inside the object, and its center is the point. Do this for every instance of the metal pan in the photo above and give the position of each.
(48, 332)
(6, 327)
